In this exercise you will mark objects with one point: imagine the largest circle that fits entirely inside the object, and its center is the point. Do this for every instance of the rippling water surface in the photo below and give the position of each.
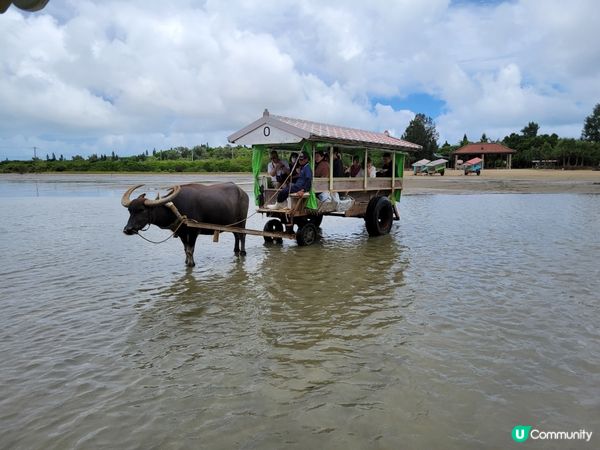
(478, 313)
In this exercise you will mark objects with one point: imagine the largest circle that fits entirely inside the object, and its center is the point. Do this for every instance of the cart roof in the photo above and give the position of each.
(421, 163)
(437, 162)
(473, 161)
(271, 129)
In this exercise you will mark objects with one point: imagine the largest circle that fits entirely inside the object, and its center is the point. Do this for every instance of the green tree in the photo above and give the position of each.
(484, 138)
(447, 149)
(591, 126)
(465, 140)
(421, 130)
(531, 130)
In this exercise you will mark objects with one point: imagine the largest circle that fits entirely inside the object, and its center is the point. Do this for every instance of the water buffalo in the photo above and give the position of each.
(221, 204)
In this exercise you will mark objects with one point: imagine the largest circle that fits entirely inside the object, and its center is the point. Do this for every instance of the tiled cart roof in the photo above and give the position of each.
(421, 163)
(315, 131)
(436, 162)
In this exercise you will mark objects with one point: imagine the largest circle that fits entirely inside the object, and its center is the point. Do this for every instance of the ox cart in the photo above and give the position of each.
(420, 166)
(373, 199)
(473, 166)
(437, 166)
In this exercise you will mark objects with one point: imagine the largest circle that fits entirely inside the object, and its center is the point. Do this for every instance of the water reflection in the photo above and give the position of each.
(287, 301)
(331, 293)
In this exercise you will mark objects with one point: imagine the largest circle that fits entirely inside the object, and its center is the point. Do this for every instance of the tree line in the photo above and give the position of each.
(201, 158)
(529, 145)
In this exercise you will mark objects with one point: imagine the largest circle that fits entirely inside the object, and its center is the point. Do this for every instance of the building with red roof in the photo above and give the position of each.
(481, 149)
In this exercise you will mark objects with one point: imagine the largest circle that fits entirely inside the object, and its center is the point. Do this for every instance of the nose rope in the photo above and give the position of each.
(164, 240)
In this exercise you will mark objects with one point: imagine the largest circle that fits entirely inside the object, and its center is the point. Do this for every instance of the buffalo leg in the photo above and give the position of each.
(240, 238)
(189, 243)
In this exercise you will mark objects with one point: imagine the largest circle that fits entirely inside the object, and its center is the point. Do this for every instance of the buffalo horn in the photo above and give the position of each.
(170, 196)
(125, 200)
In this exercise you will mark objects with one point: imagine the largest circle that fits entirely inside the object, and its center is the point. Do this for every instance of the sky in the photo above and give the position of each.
(82, 77)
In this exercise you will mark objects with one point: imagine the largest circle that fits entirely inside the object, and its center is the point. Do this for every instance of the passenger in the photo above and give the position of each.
(354, 168)
(338, 165)
(302, 184)
(386, 170)
(294, 167)
(371, 170)
(321, 165)
(277, 169)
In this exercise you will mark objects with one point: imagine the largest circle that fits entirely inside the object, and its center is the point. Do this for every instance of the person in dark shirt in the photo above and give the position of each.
(386, 169)
(353, 170)
(295, 167)
(338, 165)
(302, 184)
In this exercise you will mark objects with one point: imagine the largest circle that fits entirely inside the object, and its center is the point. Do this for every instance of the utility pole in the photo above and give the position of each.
(34, 152)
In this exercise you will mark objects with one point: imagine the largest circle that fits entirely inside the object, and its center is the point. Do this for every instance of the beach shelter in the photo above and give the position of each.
(480, 149)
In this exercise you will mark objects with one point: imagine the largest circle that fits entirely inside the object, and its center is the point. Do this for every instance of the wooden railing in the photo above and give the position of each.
(356, 184)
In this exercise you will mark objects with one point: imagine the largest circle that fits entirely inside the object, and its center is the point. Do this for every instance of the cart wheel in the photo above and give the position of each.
(273, 225)
(478, 172)
(314, 219)
(441, 172)
(307, 234)
(379, 216)
(466, 173)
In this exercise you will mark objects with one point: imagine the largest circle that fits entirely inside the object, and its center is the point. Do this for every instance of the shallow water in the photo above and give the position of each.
(477, 313)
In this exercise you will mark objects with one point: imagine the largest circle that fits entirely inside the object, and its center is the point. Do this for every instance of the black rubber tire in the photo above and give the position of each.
(315, 219)
(379, 217)
(441, 172)
(307, 234)
(273, 225)
(478, 172)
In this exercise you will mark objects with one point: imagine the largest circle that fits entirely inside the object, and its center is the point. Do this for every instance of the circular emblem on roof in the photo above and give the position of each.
(266, 131)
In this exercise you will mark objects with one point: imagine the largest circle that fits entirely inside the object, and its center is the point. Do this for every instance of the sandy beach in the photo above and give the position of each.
(526, 181)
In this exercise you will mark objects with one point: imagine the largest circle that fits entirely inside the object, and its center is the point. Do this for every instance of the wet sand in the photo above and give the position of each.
(526, 181)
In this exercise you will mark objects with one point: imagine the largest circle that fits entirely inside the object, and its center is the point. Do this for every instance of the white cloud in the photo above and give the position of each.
(82, 77)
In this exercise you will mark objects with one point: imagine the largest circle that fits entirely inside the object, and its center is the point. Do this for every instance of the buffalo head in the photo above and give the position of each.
(141, 208)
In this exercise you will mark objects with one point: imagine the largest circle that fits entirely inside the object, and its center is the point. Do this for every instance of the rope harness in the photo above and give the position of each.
(182, 219)
(179, 221)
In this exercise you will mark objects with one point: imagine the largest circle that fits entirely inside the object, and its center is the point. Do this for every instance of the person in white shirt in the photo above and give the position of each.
(371, 170)
(277, 169)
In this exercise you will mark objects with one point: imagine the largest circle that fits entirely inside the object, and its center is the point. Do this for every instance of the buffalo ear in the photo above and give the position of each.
(142, 195)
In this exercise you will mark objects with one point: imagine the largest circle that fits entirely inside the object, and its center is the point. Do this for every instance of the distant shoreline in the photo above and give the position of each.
(525, 181)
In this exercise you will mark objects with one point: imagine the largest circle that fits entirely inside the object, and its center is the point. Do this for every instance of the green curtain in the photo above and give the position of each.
(257, 157)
